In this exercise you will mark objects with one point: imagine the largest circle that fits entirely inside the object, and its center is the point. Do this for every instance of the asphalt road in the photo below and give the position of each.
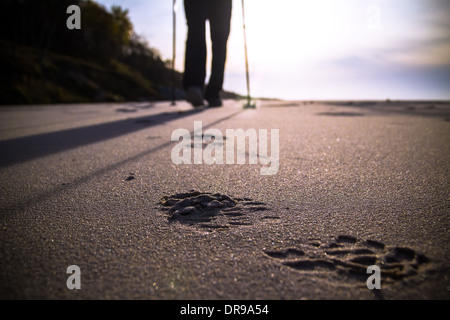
(358, 184)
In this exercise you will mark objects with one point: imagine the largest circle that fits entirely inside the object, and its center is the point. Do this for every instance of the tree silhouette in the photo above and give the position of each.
(105, 58)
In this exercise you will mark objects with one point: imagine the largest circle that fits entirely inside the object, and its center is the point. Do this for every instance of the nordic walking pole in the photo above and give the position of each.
(249, 104)
(174, 21)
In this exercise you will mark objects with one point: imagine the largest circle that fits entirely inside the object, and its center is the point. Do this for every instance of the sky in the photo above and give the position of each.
(320, 49)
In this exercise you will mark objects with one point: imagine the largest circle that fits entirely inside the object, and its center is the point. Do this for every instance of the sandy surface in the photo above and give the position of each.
(359, 184)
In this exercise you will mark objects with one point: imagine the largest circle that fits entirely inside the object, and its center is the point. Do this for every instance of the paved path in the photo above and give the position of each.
(358, 184)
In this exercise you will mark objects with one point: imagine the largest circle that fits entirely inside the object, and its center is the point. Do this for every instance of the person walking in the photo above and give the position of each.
(218, 13)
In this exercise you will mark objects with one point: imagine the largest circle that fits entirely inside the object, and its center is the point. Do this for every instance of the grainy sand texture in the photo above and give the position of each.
(360, 183)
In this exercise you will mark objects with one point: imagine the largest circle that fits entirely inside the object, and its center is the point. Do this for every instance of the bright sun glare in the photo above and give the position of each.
(307, 49)
(288, 36)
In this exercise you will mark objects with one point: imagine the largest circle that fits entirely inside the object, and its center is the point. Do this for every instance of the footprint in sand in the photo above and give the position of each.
(348, 256)
(210, 210)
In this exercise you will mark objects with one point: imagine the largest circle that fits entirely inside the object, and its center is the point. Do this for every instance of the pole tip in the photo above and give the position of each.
(250, 105)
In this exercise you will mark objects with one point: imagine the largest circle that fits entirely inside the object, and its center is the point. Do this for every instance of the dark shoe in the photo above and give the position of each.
(214, 103)
(194, 96)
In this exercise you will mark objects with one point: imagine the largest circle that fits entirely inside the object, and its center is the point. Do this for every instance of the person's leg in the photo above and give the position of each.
(219, 15)
(195, 56)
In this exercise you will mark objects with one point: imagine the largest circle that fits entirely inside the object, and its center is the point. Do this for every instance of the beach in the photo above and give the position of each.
(358, 183)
